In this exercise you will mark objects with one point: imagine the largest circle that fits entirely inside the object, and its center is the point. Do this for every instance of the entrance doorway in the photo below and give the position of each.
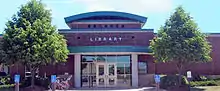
(105, 71)
(106, 74)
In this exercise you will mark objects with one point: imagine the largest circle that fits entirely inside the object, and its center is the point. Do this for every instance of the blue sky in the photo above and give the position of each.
(206, 13)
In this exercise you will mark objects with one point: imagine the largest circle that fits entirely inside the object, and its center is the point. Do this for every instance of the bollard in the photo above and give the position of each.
(53, 86)
(16, 86)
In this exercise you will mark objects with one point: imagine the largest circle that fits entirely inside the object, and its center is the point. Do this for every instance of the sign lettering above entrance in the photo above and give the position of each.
(105, 39)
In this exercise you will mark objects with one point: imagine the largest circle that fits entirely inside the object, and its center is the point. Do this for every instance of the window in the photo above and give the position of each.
(132, 37)
(117, 26)
(94, 26)
(142, 67)
(89, 26)
(106, 26)
(111, 26)
(122, 26)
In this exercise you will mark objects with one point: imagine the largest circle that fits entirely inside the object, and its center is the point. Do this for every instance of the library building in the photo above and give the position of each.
(110, 49)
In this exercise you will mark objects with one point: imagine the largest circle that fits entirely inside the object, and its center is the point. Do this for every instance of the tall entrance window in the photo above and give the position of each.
(105, 70)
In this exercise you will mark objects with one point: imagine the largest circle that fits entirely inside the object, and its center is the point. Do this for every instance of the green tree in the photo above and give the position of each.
(180, 41)
(30, 38)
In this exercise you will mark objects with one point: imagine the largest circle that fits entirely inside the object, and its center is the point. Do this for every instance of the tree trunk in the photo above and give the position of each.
(180, 77)
(180, 69)
(32, 76)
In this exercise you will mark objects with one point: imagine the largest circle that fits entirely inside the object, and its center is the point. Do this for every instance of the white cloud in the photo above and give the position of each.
(136, 6)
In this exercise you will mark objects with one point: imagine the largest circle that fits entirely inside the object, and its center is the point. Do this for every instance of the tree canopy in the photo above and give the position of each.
(31, 39)
(180, 40)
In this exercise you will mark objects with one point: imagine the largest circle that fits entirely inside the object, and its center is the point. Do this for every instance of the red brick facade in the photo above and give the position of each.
(121, 34)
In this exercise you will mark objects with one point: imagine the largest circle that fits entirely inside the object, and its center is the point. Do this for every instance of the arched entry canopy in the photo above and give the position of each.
(105, 15)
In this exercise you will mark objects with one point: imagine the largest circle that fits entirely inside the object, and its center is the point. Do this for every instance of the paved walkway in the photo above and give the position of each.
(114, 89)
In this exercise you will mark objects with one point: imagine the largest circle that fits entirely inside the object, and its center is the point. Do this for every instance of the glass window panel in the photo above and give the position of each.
(127, 68)
(127, 79)
(93, 80)
(101, 81)
(85, 81)
(101, 70)
(111, 58)
(142, 67)
(101, 58)
(124, 59)
(111, 81)
(123, 80)
(84, 67)
(120, 68)
(88, 58)
(111, 69)
(93, 69)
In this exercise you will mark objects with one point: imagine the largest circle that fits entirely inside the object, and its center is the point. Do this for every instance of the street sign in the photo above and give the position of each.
(53, 78)
(189, 74)
(157, 78)
(17, 78)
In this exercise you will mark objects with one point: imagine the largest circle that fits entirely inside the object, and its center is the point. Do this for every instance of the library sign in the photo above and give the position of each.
(105, 39)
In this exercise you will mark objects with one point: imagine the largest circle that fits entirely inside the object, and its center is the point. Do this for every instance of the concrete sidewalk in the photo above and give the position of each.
(114, 89)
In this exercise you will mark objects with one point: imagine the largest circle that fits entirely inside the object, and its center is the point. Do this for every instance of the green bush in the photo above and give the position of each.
(7, 86)
(171, 81)
(38, 81)
(42, 82)
(5, 80)
(204, 83)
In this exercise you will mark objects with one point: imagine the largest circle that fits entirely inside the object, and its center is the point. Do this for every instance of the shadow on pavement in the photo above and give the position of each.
(197, 89)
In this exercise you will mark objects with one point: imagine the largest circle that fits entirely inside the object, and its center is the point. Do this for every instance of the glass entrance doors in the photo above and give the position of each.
(106, 74)
(105, 71)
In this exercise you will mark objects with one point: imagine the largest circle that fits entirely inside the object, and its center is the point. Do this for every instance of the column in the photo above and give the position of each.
(134, 67)
(77, 70)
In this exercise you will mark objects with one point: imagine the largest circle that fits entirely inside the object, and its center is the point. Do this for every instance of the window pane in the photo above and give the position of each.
(142, 67)
(101, 58)
(127, 68)
(120, 68)
(88, 58)
(123, 59)
(111, 59)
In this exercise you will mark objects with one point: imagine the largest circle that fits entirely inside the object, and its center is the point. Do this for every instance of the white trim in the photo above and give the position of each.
(105, 23)
(77, 70)
(110, 53)
(134, 67)
(213, 35)
(133, 31)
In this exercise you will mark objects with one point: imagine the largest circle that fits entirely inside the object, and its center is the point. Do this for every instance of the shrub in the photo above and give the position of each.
(7, 86)
(171, 81)
(5, 80)
(42, 82)
(39, 81)
(203, 83)
(25, 82)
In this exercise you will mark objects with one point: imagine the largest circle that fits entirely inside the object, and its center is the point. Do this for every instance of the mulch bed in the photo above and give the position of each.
(35, 88)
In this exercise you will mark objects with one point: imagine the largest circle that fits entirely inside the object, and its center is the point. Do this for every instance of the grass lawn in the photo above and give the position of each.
(206, 88)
